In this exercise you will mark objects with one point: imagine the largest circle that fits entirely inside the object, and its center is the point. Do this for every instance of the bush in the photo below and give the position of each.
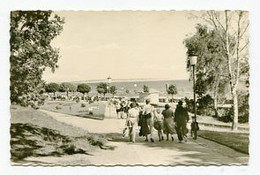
(83, 105)
(225, 115)
(243, 108)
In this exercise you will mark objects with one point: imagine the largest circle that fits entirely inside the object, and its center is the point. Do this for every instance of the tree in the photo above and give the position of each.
(31, 34)
(172, 90)
(83, 88)
(52, 88)
(102, 88)
(113, 90)
(146, 89)
(211, 68)
(232, 29)
(67, 87)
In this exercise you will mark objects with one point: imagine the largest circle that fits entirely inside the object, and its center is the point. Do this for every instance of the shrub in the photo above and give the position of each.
(243, 108)
(225, 115)
(83, 105)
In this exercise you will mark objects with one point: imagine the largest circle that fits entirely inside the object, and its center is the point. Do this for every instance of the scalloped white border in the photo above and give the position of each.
(97, 5)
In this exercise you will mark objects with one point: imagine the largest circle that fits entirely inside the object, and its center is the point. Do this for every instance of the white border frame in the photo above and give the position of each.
(97, 5)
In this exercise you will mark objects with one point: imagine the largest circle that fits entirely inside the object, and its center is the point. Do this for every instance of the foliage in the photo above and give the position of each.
(102, 88)
(51, 88)
(205, 105)
(189, 104)
(113, 90)
(83, 105)
(222, 48)
(211, 66)
(232, 29)
(31, 34)
(83, 88)
(243, 107)
(172, 90)
(146, 89)
(67, 87)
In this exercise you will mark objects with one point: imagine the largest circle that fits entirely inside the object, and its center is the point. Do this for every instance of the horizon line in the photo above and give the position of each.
(121, 80)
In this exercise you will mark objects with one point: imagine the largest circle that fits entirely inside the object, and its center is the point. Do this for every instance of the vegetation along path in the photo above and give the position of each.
(199, 152)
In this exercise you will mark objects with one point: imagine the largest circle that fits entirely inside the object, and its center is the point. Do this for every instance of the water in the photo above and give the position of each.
(184, 87)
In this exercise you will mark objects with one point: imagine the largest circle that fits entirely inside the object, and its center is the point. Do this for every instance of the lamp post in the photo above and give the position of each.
(193, 62)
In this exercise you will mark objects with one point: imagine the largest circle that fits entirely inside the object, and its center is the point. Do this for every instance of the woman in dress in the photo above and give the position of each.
(168, 122)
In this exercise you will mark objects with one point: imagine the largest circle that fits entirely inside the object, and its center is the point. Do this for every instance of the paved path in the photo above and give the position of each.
(199, 152)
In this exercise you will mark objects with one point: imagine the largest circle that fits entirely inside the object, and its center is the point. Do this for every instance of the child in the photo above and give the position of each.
(158, 123)
(194, 126)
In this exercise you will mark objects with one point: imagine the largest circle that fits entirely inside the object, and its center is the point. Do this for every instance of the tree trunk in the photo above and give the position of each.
(235, 111)
(216, 105)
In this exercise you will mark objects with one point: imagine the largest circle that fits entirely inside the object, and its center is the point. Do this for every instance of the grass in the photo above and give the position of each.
(80, 109)
(236, 141)
(34, 133)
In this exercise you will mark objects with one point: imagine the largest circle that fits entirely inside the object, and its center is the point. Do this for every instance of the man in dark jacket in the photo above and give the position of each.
(181, 118)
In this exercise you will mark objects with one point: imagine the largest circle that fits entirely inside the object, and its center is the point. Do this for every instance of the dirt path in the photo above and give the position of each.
(199, 152)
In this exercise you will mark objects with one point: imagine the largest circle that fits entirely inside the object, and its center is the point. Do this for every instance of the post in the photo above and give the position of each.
(194, 93)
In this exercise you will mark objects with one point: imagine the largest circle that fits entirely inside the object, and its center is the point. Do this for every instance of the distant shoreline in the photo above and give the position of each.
(121, 80)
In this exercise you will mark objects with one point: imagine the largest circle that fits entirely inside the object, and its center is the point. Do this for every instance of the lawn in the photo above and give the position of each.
(81, 109)
(34, 133)
(236, 141)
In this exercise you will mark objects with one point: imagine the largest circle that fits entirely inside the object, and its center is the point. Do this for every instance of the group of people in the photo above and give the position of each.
(165, 122)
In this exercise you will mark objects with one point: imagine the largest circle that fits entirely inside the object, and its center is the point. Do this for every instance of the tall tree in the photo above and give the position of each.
(211, 68)
(232, 29)
(51, 88)
(67, 87)
(83, 88)
(102, 88)
(172, 90)
(113, 90)
(31, 34)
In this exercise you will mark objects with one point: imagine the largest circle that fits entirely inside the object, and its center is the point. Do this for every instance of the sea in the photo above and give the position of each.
(184, 87)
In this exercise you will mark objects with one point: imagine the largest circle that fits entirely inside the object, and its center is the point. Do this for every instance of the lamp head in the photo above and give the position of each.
(193, 59)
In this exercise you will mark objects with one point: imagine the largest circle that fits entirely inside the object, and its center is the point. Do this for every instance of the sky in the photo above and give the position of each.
(123, 45)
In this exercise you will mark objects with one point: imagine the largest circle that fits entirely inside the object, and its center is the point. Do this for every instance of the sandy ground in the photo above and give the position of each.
(199, 152)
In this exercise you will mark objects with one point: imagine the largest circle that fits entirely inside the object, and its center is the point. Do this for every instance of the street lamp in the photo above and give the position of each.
(193, 62)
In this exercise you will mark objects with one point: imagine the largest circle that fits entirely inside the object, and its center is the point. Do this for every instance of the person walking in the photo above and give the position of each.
(148, 115)
(181, 118)
(132, 121)
(158, 123)
(168, 122)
